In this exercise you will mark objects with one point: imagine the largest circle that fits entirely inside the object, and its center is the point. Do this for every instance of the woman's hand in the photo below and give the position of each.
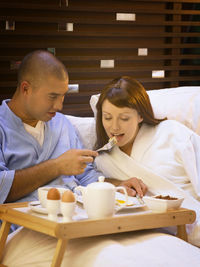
(134, 186)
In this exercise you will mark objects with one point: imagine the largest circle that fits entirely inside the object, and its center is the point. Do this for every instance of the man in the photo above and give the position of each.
(38, 145)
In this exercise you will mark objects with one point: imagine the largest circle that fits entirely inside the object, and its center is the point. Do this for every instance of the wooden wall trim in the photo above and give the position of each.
(168, 29)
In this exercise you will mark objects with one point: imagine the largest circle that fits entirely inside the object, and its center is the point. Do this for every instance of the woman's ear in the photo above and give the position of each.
(140, 118)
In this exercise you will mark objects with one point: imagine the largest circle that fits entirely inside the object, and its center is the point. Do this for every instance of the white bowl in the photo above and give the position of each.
(162, 205)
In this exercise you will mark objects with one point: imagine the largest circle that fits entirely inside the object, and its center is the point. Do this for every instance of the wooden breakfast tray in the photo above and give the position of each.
(20, 214)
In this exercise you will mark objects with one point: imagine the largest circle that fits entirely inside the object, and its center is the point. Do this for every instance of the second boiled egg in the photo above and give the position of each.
(68, 196)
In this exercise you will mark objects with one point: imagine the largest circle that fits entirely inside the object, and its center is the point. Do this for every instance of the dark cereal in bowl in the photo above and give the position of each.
(166, 197)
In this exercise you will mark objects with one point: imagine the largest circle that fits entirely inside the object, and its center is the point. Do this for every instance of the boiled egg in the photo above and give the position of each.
(68, 196)
(53, 194)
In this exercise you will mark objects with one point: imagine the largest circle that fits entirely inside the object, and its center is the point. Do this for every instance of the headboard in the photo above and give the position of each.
(155, 41)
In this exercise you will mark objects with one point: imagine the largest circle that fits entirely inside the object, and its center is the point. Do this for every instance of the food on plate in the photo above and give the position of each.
(166, 197)
(68, 196)
(53, 194)
(121, 202)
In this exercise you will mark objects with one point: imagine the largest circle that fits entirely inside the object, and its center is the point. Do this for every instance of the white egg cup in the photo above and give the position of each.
(67, 209)
(53, 208)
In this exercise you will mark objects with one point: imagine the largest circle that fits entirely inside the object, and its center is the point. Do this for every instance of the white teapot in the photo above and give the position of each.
(99, 198)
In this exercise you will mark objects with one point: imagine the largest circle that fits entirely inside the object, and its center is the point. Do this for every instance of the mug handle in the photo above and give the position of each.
(125, 193)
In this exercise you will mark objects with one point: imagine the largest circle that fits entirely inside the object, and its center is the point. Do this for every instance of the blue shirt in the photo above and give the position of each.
(20, 150)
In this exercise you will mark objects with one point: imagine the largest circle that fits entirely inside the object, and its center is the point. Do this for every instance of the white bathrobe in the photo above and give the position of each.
(167, 159)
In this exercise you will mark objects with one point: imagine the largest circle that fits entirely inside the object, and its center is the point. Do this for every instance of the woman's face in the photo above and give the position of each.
(123, 123)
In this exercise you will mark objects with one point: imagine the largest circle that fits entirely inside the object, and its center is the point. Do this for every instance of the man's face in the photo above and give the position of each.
(44, 101)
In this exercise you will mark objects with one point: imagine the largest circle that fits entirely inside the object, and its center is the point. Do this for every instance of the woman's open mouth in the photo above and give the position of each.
(118, 137)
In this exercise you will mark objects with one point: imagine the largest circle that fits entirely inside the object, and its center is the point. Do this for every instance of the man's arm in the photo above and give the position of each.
(27, 180)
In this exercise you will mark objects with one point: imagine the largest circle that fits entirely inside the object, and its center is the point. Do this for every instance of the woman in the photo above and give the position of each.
(163, 153)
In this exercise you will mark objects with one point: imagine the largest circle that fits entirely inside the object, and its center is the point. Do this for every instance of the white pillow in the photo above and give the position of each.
(85, 127)
(179, 103)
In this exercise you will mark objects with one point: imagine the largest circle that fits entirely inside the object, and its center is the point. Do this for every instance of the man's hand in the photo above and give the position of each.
(134, 186)
(74, 161)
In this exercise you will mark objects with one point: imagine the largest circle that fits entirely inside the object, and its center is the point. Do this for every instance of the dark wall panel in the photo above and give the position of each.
(82, 33)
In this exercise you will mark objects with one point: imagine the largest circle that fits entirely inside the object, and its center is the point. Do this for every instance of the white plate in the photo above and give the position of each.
(132, 202)
(35, 206)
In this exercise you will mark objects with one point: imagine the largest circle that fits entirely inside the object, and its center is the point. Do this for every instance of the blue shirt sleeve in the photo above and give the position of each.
(89, 176)
(6, 179)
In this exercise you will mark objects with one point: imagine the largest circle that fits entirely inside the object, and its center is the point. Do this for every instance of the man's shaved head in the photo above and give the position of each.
(38, 65)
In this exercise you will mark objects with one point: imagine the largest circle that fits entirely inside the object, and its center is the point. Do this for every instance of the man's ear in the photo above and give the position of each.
(25, 87)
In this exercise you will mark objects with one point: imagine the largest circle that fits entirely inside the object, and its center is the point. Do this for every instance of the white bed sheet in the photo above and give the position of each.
(139, 249)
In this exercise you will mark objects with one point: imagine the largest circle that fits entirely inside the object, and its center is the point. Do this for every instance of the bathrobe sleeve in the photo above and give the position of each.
(6, 175)
(6, 179)
(190, 156)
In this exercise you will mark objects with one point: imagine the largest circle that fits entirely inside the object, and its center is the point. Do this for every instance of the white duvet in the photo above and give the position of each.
(133, 249)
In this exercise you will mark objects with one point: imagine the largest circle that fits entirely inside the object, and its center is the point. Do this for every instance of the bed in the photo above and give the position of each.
(143, 248)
